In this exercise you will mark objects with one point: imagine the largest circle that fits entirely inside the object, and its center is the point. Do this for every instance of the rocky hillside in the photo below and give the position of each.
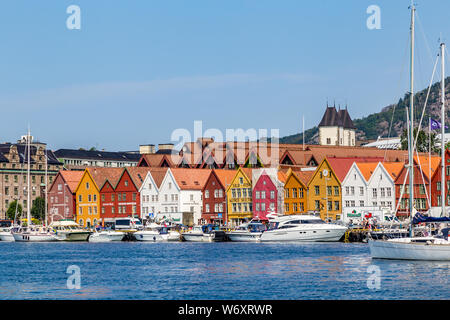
(377, 124)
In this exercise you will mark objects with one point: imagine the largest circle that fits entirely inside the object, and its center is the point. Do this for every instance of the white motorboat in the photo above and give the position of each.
(195, 235)
(301, 228)
(34, 233)
(155, 232)
(247, 232)
(6, 234)
(106, 236)
(68, 230)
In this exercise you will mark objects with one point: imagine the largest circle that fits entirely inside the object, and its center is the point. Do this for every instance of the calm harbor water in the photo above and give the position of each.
(132, 270)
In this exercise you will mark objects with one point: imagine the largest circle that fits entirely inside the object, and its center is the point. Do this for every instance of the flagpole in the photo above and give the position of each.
(444, 185)
(429, 159)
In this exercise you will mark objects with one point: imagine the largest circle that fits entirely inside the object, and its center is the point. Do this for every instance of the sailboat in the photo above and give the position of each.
(32, 233)
(425, 247)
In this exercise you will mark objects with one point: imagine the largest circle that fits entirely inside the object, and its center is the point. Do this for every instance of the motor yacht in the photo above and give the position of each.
(247, 232)
(302, 228)
(68, 230)
(195, 235)
(106, 236)
(155, 232)
(6, 233)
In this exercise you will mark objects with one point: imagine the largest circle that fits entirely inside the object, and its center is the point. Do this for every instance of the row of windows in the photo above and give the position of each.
(262, 194)
(296, 207)
(293, 192)
(24, 203)
(16, 191)
(318, 206)
(262, 206)
(218, 193)
(122, 209)
(55, 199)
(218, 207)
(241, 193)
(24, 178)
(329, 190)
(242, 207)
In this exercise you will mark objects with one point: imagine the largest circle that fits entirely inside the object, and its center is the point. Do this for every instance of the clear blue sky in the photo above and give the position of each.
(137, 70)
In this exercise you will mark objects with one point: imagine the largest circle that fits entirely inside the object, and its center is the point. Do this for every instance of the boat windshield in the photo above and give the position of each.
(273, 225)
(256, 227)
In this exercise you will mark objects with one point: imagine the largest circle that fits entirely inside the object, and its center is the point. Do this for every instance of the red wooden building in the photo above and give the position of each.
(265, 196)
(436, 184)
(214, 196)
(61, 195)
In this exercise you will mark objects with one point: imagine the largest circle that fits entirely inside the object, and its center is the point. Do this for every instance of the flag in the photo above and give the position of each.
(435, 124)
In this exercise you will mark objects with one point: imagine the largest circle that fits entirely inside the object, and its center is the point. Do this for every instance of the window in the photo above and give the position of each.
(438, 186)
(388, 192)
(103, 197)
(361, 203)
(382, 193)
(112, 197)
(241, 180)
(134, 196)
(448, 170)
(220, 193)
(95, 197)
(244, 193)
(347, 191)
(89, 198)
(294, 207)
(317, 205)
(329, 191)
(286, 193)
(263, 194)
(257, 195)
(192, 199)
(361, 191)
(300, 192)
(216, 208)
(233, 193)
(59, 187)
(286, 207)
(336, 205)
(124, 196)
(170, 185)
(347, 203)
(272, 194)
(374, 192)
(239, 193)
(80, 198)
(317, 190)
(125, 183)
(263, 206)
(216, 193)
(330, 205)
(207, 195)
(336, 190)
(352, 191)
(328, 140)
(422, 189)
(300, 205)
(352, 203)
(294, 192)
(257, 206)
(87, 185)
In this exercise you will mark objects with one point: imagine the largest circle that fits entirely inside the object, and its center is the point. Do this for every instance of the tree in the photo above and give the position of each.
(38, 208)
(11, 212)
(423, 141)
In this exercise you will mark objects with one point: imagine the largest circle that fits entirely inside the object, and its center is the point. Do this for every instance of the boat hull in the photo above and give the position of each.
(307, 235)
(151, 236)
(381, 249)
(6, 236)
(23, 237)
(110, 237)
(73, 236)
(193, 237)
(244, 236)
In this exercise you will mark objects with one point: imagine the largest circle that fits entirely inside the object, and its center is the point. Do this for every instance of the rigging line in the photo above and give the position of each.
(402, 191)
(423, 179)
(426, 102)
(422, 29)
(398, 89)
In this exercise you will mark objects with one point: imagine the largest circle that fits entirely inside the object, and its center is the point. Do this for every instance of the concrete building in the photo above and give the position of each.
(13, 172)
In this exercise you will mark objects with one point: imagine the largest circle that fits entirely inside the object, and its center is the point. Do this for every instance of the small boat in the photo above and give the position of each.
(301, 228)
(106, 236)
(6, 233)
(155, 232)
(34, 233)
(247, 232)
(214, 235)
(194, 235)
(68, 230)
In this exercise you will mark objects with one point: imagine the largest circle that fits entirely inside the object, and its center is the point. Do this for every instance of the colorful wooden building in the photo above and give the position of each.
(324, 192)
(239, 197)
(267, 193)
(61, 197)
(296, 191)
(214, 196)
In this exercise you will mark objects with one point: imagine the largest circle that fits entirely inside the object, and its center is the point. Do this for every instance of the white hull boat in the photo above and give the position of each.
(302, 228)
(34, 234)
(6, 234)
(68, 230)
(423, 248)
(157, 233)
(244, 236)
(106, 236)
(193, 237)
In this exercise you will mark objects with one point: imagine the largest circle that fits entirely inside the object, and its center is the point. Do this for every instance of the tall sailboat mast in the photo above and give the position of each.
(411, 120)
(443, 182)
(28, 179)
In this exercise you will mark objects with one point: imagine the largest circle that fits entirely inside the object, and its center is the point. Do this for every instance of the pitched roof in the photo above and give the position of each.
(341, 166)
(304, 176)
(158, 175)
(330, 118)
(393, 168)
(72, 178)
(225, 176)
(367, 168)
(424, 162)
(22, 152)
(189, 178)
(97, 155)
(346, 121)
(101, 175)
(138, 175)
(282, 177)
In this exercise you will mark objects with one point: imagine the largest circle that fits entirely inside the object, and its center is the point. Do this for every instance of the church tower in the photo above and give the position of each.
(337, 128)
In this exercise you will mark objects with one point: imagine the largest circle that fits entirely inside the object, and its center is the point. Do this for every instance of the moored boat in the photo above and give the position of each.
(106, 236)
(34, 233)
(156, 233)
(68, 230)
(247, 232)
(6, 234)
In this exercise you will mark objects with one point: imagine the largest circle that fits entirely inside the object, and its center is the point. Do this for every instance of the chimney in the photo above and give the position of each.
(165, 146)
(146, 148)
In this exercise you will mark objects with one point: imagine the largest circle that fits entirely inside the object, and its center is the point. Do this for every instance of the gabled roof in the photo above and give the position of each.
(158, 175)
(346, 121)
(393, 168)
(71, 178)
(367, 169)
(424, 162)
(225, 176)
(100, 175)
(190, 179)
(341, 166)
(138, 175)
(330, 118)
(304, 176)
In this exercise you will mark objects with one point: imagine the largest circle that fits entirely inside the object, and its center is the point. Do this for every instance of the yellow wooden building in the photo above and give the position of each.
(87, 201)
(295, 191)
(239, 197)
(324, 192)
